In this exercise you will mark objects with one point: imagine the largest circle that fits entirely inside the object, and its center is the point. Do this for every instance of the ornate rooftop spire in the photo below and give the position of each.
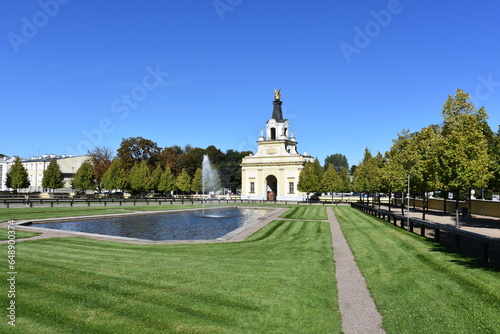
(277, 113)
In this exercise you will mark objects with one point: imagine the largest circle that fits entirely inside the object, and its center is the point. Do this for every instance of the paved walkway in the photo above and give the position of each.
(359, 313)
(485, 225)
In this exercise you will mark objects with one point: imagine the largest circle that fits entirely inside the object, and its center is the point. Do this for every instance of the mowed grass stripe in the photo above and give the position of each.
(306, 212)
(17, 234)
(417, 285)
(280, 280)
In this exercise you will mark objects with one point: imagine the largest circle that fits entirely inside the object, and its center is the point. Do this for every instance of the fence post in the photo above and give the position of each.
(486, 251)
(457, 241)
(437, 234)
(422, 230)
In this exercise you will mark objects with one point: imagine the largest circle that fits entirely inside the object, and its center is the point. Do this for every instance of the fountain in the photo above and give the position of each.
(210, 183)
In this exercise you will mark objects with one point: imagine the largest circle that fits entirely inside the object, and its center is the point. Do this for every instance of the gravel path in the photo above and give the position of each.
(359, 313)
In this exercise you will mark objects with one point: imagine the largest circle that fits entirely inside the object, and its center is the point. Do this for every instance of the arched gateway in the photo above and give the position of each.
(272, 187)
(272, 173)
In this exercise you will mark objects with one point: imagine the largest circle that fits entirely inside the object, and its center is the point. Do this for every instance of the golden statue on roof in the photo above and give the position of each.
(277, 94)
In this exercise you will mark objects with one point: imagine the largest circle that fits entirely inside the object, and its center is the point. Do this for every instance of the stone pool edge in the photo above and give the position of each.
(240, 234)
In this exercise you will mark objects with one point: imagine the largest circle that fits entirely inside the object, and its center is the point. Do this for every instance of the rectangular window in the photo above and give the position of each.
(291, 189)
(252, 187)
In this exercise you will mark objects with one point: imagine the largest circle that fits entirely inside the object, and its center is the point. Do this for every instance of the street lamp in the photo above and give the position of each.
(408, 204)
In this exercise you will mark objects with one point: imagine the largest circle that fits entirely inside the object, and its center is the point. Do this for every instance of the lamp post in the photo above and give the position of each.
(408, 205)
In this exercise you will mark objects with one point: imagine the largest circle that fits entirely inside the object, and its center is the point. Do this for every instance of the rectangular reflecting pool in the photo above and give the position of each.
(185, 225)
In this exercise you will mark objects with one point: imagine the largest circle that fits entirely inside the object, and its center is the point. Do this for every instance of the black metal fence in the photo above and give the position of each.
(44, 202)
(470, 243)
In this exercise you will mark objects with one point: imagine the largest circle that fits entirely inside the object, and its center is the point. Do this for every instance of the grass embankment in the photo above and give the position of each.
(418, 286)
(306, 212)
(281, 280)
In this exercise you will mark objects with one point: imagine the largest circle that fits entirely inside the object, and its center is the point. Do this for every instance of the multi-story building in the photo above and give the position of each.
(35, 167)
(272, 173)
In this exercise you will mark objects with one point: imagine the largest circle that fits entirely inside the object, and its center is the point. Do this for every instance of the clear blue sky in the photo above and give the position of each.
(353, 74)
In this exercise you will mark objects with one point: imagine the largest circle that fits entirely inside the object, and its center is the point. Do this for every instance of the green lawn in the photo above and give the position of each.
(418, 286)
(18, 234)
(306, 212)
(281, 280)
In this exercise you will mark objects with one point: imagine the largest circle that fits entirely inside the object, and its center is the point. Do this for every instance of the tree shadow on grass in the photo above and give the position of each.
(461, 259)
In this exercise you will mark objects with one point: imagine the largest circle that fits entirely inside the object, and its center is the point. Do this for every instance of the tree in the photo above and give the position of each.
(139, 175)
(215, 155)
(84, 177)
(465, 162)
(52, 176)
(197, 183)
(345, 182)
(183, 181)
(494, 183)
(137, 149)
(115, 177)
(169, 157)
(309, 178)
(17, 176)
(167, 181)
(428, 144)
(153, 181)
(318, 171)
(401, 161)
(230, 169)
(100, 159)
(339, 161)
(192, 160)
(331, 181)
(367, 177)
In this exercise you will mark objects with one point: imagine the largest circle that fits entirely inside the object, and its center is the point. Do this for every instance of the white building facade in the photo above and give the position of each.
(272, 173)
(35, 166)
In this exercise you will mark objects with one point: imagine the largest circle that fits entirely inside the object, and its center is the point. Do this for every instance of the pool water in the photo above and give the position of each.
(186, 225)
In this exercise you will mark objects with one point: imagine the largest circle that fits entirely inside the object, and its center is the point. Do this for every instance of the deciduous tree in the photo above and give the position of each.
(139, 175)
(167, 181)
(331, 181)
(115, 177)
(197, 183)
(339, 162)
(52, 176)
(84, 177)
(135, 149)
(465, 162)
(100, 158)
(17, 176)
(183, 181)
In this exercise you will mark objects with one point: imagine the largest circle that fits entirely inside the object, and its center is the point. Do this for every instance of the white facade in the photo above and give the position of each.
(35, 166)
(272, 173)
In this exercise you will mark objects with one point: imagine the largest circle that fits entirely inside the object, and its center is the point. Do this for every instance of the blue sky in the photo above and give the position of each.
(78, 74)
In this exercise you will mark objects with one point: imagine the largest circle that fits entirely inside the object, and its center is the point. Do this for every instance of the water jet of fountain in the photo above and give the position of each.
(210, 180)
